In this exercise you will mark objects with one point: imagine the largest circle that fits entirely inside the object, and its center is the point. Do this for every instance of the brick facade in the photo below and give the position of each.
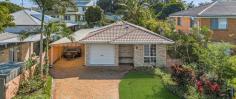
(228, 35)
(139, 56)
(25, 50)
(185, 24)
(4, 57)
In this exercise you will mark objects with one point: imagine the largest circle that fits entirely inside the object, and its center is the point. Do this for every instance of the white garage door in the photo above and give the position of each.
(102, 54)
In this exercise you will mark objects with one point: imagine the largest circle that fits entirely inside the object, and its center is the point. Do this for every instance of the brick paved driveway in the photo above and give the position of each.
(87, 83)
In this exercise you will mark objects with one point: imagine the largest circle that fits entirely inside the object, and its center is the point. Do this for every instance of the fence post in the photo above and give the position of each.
(2, 88)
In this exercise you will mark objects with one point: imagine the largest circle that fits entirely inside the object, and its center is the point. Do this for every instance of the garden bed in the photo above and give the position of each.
(43, 93)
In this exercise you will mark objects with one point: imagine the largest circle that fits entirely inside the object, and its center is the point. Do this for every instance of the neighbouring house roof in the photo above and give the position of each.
(77, 36)
(125, 33)
(7, 35)
(221, 8)
(29, 17)
(86, 3)
(6, 38)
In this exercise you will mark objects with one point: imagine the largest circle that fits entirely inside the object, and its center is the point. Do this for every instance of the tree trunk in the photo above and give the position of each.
(41, 43)
(47, 55)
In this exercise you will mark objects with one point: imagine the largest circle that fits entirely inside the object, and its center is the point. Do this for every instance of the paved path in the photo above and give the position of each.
(87, 83)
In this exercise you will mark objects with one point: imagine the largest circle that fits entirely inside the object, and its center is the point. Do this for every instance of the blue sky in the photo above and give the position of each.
(27, 3)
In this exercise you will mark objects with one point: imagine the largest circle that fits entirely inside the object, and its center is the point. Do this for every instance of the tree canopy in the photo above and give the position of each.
(93, 15)
(164, 10)
(108, 5)
(11, 7)
(6, 19)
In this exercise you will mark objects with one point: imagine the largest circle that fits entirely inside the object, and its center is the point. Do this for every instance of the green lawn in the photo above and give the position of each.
(44, 93)
(141, 85)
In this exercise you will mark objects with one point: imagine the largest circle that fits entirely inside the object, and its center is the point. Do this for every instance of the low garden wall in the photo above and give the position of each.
(11, 87)
(9, 84)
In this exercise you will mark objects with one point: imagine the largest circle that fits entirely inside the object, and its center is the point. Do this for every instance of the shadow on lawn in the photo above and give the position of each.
(160, 93)
(101, 73)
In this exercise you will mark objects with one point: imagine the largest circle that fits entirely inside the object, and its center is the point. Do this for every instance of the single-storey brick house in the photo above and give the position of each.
(115, 44)
(219, 16)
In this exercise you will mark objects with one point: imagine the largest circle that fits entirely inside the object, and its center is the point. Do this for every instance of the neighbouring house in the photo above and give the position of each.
(76, 15)
(113, 45)
(14, 52)
(219, 16)
(30, 21)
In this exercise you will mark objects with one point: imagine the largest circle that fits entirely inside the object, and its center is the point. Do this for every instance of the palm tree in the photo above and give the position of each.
(134, 11)
(50, 5)
(59, 29)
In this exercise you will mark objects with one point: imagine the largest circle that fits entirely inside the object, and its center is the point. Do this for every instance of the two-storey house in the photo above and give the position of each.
(219, 16)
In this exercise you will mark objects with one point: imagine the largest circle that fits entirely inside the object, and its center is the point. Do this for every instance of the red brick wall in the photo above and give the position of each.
(228, 35)
(185, 24)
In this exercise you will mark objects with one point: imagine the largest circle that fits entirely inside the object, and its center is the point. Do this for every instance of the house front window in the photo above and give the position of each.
(179, 21)
(219, 23)
(150, 54)
(66, 17)
(14, 55)
(192, 22)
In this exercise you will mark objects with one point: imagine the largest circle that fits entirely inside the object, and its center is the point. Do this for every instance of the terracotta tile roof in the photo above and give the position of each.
(124, 33)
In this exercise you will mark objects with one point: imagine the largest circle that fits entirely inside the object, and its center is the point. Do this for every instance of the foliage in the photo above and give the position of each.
(158, 26)
(108, 6)
(30, 62)
(216, 60)
(93, 15)
(192, 93)
(11, 6)
(54, 28)
(185, 91)
(166, 77)
(143, 85)
(42, 93)
(186, 43)
(182, 75)
(30, 86)
(58, 6)
(134, 11)
(163, 10)
(6, 19)
(158, 7)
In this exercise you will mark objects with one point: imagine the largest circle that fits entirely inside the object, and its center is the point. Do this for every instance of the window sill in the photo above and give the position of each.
(220, 29)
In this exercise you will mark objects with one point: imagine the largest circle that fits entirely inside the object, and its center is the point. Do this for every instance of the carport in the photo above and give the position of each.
(58, 52)
(66, 53)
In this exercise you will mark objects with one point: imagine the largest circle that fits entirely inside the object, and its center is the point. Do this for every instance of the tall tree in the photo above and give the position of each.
(59, 29)
(93, 15)
(6, 19)
(171, 8)
(10, 6)
(106, 5)
(48, 5)
(134, 11)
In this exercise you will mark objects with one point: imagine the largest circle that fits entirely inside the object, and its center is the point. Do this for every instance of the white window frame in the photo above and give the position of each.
(222, 23)
(150, 54)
